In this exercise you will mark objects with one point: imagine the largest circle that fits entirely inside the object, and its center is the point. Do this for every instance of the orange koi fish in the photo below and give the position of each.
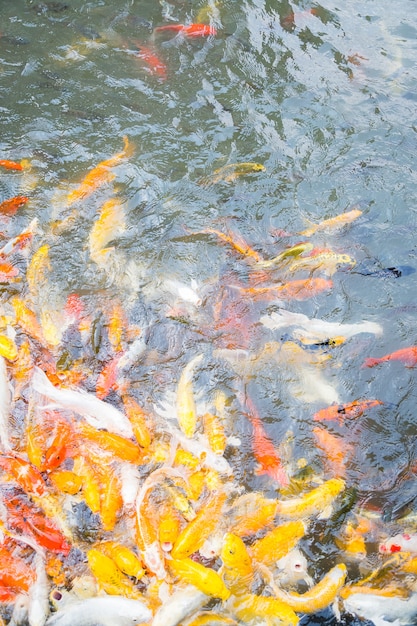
(21, 241)
(154, 65)
(236, 242)
(293, 290)
(10, 165)
(142, 429)
(335, 450)
(107, 379)
(408, 356)
(341, 412)
(10, 206)
(25, 474)
(264, 451)
(111, 502)
(118, 445)
(333, 223)
(15, 572)
(278, 542)
(99, 175)
(192, 30)
(60, 447)
(26, 519)
(7, 272)
(253, 513)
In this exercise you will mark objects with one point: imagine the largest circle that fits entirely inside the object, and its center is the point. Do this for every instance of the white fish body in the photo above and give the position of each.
(382, 610)
(98, 413)
(318, 329)
(101, 611)
(5, 404)
(402, 542)
(20, 611)
(38, 608)
(180, 605)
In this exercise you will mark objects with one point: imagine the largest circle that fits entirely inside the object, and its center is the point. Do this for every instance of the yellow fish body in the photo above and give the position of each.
(278, 542)
(204, 578)
(315, 502)
(333, 223)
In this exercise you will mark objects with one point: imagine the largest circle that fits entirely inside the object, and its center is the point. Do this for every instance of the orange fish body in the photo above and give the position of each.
(10, 165)
(278, 542)
(155, 66)
(10, 206)
(192, 30)
(408, 356)
(98, 176)
(340, 412)
(293, 290)
(122, 448)
(334, 449)
(264, 450)
(236, 242)
(25, 474)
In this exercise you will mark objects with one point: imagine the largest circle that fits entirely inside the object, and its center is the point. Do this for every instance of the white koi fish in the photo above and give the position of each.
(318, 329)
(38, 608)
(102, 611)
(382, 610)
(98, 413)
(180, 605)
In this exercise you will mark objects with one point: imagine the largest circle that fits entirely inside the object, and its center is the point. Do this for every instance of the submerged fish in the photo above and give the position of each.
(192, 30)
(408, 356)
(232, 171)
(333, 223)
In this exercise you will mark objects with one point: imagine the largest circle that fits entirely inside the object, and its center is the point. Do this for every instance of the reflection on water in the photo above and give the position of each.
(209, 228)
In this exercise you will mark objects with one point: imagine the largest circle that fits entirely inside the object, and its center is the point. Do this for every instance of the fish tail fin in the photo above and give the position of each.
(371, 362)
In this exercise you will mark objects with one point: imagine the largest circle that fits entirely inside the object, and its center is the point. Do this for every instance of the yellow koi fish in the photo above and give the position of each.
(126, 560)
(278, 542)
(333, 223)
(109, 224)
(232, 171)
(250, 607)
(186, 408)
(204, 578)
(109, 577)
(237, 570)
(198, 530)
(315, 502)
(318, 597)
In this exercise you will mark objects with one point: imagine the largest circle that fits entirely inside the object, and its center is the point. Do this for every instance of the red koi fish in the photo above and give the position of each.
(10, 165)
(408, 356)
(154, 65)
(334, 449)
(264, 451)
(107, 379)
(15, 572)
(340, 412)
(25, 474)
(27, 519)
(10, 206)
(192, 30)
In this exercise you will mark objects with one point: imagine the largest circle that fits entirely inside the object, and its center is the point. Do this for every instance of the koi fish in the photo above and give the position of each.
(316, 329)
(294, 251)
(232, 171)
(109, 577)
(334, 449)
(126, 560)
(99, 175)
(314, 502)
(155, 66)
(185, 403)
(10, 165)
(205, 579)
(109, 224)
(103, 610)
(382, 610)
(333, 223)
(182, 603)
(5, 406)
(278, 542)
(198, 530)
(237, 569)
(324, 259)
(119, 446)
(66, 481)
(191, 31)
(97, 412)
(251, 513)
(236, 242)
(111, 502)
(25, 474)
(341, 412)
(38, 607)
(264, 451)
(252, 608)
(8, 272)
(10, 206)
(214, 431)
(399, 543)
(8, 348)
(21, 241)
(408, 356)
(318, 597)
(293, 290)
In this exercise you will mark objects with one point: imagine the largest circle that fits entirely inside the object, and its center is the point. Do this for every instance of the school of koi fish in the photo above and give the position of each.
(124, 505)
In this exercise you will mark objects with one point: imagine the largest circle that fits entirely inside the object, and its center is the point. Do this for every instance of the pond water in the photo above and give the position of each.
(322, 96)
